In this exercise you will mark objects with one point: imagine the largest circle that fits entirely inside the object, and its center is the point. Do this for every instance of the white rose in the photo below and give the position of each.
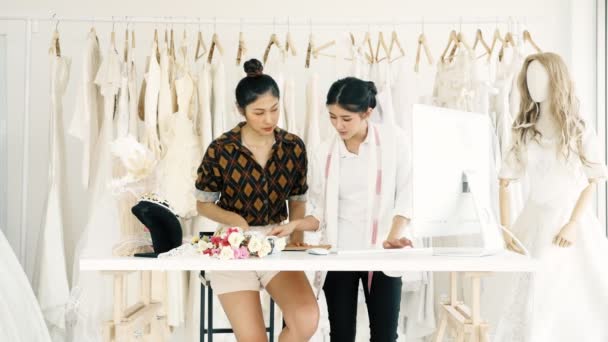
(226, 253)
(254, 245)
(204, 245)
(280, 243)
(236, 239)
(265, 250)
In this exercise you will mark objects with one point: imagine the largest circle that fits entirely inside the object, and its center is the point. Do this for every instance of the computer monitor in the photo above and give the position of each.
(452, 175)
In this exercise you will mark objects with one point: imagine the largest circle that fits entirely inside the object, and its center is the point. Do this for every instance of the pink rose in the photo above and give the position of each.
(244, 252)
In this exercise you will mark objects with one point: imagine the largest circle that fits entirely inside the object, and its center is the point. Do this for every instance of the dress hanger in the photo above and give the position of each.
(528, 38)
(382, 43)
(495, 39)
(507, 41)
(395, 42)
(200, 44)
(452, 41)
(215, 43)
(55, 46)
(113, 37)
(289, 45)
(171, 44)
(367, 40)
(479, 39)
(242, 49)
(274, 40)
(422, 44)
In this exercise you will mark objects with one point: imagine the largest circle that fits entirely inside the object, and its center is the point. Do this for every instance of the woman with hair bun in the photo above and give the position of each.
(360, 198)
(247, 178)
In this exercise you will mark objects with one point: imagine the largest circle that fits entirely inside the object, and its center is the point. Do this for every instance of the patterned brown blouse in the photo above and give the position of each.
(231, 177)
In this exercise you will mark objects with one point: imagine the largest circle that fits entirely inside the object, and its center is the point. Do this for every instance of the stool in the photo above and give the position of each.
(210, 330)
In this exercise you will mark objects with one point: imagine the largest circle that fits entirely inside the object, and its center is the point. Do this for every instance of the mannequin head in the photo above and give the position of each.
(544, 82)
(537, 79)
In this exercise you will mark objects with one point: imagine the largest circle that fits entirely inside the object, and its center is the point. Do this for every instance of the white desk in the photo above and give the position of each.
(414, 260)
(465, 321)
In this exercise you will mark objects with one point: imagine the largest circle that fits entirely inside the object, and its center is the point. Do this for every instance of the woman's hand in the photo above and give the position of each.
(284, 229)
(392, 243)
(567, 235)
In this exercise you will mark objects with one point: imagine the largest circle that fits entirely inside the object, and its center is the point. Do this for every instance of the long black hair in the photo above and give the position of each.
(352, 94)
(253, 85)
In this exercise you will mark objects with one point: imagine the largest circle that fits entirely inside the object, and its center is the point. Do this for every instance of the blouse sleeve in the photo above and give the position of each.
(209, 181)
(512, 168)
(594, 169)
(316, 191)
(298, 191)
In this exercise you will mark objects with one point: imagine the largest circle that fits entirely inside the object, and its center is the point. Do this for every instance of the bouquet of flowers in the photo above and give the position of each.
(233, 243)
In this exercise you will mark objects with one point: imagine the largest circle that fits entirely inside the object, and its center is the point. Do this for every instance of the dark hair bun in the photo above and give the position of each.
(253, 68)
(372, 88)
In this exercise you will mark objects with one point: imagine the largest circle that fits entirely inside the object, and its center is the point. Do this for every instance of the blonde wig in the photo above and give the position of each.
(564, 106)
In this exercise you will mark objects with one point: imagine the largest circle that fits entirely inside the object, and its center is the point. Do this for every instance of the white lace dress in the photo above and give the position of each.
(567, 298)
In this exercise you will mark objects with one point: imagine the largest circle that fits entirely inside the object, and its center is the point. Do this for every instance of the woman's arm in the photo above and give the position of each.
(297, 210)
(212, 211)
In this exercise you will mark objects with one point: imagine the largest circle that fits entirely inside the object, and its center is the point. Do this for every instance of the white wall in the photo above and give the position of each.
(557, 26)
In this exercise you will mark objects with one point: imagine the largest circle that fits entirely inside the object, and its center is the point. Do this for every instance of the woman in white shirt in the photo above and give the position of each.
(360, 198)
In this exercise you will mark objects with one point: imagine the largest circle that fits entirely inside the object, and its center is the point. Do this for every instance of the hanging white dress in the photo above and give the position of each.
(312, 137)
(152, 77)
(454, 84)
(204, 121)
(20, 314)
(275, 68)
(165, 104)
(218, 96)
(381, 76)
(52, 288)
(88, 110)
(567, 298)
(133, 96)
(288, 96)
(403, 89)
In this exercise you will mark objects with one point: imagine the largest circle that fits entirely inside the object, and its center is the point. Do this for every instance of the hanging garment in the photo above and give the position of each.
(134, 121)
(275, 68)
(204, 121)
(573, 277)
(312, 136)
(454, 84)
(20, 314)
(402, 89)
(381, 76)
(165, 101)
(121, 118)
(52, 288)
(88, 110)
(288, 96)
(152, 89)
(218, 96)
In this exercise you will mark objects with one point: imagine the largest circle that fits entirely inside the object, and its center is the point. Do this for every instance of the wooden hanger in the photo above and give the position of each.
(367, 40)
(395, 42)
(132, 39)
(274, 40)
(125, 51)
(200, 44)
(156, 44)
(172, 45)
(313, 51)
(289, 45)
(242, 49)
(452, 40)
(422, 44)
(55, 46)
(381, 43)
(507, 41)
(460, 41)
(495, 39)
(215, 43)
(479, 39)
(528, 38)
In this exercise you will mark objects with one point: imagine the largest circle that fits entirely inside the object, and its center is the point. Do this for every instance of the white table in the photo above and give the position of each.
(466, 322)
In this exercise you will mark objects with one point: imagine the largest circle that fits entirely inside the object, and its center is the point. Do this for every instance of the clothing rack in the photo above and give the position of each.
(273, 22)
(31, 26)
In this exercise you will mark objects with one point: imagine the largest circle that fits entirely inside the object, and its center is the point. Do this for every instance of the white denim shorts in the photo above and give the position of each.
(233, 281)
